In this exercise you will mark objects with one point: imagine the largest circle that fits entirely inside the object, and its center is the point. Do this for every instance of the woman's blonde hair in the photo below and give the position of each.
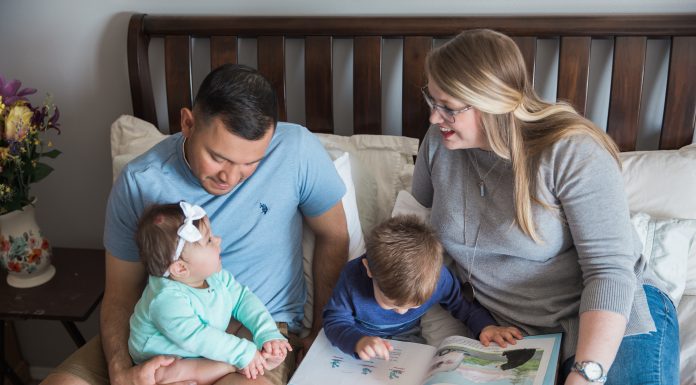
(485, 69)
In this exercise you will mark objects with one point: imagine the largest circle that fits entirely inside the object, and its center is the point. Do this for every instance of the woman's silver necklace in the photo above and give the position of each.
(481, 179)
(468, 290)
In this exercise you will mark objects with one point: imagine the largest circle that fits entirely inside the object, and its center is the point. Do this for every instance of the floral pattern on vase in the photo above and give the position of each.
(24, 252)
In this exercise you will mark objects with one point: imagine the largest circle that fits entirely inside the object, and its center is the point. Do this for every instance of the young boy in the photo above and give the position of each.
(384, 293)
(189, 299)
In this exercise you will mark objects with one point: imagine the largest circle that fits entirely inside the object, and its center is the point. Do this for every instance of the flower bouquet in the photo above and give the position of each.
(23, 251)
(21, 147)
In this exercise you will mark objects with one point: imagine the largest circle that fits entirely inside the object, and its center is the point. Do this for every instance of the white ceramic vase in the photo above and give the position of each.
(24, 252)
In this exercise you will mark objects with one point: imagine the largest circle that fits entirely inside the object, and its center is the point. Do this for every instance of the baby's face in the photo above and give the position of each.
(388, 304)
(203, 257)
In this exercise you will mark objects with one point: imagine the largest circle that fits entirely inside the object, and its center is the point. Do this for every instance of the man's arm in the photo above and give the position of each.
(124, 285)
(330, 254)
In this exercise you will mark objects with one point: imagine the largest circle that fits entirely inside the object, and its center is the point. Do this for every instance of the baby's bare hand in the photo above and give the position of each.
(277, 348)
(255, 367)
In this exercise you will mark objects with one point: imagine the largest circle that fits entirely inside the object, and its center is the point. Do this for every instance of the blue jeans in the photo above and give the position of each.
(646, 359)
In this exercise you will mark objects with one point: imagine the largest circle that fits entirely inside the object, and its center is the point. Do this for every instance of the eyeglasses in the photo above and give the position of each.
(446, 113)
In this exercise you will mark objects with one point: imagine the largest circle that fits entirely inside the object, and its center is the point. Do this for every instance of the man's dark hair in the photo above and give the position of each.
(241, 97)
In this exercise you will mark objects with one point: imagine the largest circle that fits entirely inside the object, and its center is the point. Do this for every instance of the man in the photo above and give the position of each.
(257, 180)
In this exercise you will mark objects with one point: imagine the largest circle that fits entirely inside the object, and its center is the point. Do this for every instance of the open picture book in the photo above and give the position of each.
(457, 360)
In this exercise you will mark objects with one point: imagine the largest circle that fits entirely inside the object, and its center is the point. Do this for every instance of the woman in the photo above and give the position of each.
(528, 199)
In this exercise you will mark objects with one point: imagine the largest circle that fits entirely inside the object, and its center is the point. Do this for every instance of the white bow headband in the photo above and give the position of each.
(187, 232)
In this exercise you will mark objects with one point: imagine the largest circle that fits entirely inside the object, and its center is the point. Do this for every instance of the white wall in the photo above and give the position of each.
(76, 49)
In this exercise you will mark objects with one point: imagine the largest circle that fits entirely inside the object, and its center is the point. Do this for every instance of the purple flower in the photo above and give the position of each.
(11, 93)
(53, 122)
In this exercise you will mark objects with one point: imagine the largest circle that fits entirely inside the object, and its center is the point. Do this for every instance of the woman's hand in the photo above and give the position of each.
(368, 348)
(502, 335)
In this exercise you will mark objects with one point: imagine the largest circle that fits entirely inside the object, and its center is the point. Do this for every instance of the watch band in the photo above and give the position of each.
(592, 371)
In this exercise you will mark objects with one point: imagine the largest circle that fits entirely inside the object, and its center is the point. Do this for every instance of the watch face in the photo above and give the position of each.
(593, 370)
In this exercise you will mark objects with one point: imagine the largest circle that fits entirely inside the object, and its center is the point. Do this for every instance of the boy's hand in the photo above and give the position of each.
(499, 335)
(276, 349)
(371, 347)
(255, 367)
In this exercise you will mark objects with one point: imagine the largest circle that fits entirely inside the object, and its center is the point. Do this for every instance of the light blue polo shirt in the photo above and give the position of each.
(260, 221)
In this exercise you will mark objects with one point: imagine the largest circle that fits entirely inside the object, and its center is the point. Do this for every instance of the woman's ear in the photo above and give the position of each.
(179, 269)
(369, 273)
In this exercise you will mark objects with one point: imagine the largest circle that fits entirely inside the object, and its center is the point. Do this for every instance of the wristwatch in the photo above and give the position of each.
(592, 371)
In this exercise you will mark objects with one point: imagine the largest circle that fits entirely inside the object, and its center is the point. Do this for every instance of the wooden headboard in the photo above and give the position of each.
(575, 34)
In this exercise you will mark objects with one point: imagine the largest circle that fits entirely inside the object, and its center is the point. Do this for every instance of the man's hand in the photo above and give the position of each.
(255, 367)
(371, 347)
(144, 374)
(499, 335)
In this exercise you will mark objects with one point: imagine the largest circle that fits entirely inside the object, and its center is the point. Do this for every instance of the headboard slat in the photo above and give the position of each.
(177, 64)
(271, 63)
(139, 71)
(414, 112)
(527, 44)
(626, 90)
(223, 50)
(367, 85)
(319, 84)
(573, 71)
(680, 103)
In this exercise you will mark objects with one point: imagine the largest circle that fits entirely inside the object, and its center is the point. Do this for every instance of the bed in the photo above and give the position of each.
(660, 179)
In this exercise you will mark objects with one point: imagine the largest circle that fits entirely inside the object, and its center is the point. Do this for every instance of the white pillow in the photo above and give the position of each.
(131, 137)
(381, 165)
(356, 247)
(661, 183)
(667, 245)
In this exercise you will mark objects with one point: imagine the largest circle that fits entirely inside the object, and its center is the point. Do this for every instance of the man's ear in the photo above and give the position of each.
(179, 269)
(369, 273)
(186, 122)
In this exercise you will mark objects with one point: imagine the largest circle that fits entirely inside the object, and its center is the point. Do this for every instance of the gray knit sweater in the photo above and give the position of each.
(590, 258)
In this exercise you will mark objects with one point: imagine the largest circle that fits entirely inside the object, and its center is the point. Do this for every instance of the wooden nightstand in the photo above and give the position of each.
(72, 295)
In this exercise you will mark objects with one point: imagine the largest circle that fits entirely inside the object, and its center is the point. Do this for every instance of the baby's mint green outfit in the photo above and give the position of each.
(175, 319)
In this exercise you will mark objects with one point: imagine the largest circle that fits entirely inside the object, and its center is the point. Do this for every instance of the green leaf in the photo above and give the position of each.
(41, 171)
(51, 154)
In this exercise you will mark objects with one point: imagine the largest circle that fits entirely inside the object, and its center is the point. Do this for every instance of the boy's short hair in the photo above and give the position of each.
(405, 259)
(157, 237)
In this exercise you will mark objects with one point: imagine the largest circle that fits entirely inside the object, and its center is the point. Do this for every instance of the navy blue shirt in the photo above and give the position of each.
(353, 312)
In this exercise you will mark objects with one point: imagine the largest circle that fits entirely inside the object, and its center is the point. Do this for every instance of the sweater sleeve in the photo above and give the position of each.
(588, 185)
(473, 314)
(173, 315)
(250, 311)
(339, 317)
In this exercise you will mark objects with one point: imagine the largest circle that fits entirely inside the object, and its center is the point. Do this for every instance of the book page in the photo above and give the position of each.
(463, 361)
(326, 364)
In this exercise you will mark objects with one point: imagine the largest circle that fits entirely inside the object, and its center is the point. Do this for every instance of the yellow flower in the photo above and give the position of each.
(2, 106)
(18, 120)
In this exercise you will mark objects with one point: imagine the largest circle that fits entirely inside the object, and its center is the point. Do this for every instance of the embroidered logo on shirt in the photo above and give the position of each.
(264, 208)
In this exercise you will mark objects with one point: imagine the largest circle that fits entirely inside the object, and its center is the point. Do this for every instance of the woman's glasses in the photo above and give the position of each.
(446, 113)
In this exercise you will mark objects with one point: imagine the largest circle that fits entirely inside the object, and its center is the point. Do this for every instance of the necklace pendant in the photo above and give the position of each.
(482, 188)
